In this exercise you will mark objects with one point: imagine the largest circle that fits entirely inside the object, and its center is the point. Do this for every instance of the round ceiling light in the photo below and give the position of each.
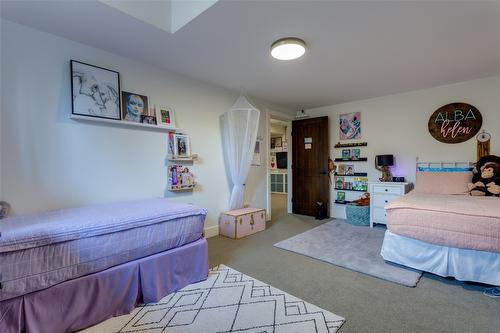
(288, 48)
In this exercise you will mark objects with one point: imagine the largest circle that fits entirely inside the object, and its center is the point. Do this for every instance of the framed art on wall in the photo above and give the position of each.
(165, 116)
(134, 106)
(350, 126)
(95, 91)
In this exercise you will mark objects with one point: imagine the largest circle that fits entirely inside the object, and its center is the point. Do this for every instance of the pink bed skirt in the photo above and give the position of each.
(85, 301)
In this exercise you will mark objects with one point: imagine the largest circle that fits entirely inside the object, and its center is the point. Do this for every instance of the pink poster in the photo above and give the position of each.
(350, 126)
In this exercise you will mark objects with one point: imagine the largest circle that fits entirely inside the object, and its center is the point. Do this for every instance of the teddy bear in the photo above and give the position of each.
(486, 177)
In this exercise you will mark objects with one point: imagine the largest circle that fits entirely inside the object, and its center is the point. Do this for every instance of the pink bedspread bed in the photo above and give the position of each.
(459, 221)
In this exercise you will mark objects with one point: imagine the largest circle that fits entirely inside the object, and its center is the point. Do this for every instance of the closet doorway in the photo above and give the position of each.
(279, 167)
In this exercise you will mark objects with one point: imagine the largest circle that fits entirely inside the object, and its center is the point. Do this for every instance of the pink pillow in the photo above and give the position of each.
(443, 182)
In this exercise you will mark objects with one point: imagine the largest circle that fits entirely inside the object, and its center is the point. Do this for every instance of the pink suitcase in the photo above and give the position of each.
(242, 222)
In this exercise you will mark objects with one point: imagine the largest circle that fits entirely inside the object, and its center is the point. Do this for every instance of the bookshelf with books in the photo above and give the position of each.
(350, 178)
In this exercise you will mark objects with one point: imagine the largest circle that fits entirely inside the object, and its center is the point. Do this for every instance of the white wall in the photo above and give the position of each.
(49, 161)
(397, 124)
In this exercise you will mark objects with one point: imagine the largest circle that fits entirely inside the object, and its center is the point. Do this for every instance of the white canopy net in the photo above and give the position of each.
(240, 126)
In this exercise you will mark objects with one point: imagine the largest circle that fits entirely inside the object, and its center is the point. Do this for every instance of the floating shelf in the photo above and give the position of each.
(345, 189)
(342, 202)
(183, 158)
(356, 174)
(350, 145)
(361, 159)
(174, 189)
(124, 123)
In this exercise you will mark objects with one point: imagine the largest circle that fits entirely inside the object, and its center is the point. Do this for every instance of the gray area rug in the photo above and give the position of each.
(353, 247)
(228, 301)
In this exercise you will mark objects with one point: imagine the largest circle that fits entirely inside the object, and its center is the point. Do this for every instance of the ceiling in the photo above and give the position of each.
(356, 50)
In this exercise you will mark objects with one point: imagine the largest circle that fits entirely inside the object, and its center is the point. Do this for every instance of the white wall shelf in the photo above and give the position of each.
(178, 189)
(124, 123)
(183, 158)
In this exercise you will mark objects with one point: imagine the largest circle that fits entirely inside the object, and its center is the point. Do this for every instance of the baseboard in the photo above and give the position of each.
(211, 231)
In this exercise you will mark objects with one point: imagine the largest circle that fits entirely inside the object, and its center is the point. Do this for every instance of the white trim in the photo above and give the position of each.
(211, 231)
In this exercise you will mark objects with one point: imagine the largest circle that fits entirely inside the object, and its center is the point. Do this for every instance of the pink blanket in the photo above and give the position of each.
(451, 220)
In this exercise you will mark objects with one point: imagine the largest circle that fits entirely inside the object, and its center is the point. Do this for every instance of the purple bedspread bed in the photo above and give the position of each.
(76, 304)
(41, 250)
(65, 270)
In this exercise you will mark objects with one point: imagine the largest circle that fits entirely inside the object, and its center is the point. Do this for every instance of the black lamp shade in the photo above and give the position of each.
(384, 160)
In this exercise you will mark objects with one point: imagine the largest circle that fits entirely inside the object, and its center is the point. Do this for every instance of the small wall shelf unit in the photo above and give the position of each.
(346, 181)
(123, 123)
(180, 177)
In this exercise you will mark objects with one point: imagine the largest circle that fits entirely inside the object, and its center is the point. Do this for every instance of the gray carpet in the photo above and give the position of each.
(369, 305)
(353, 247)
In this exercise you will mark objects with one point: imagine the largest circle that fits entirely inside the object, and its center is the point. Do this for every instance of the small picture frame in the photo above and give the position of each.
(165, 116)
(150, 120)
(182, 147)
(355, 154)
(346, 154)
(134, 106)
(340, 196)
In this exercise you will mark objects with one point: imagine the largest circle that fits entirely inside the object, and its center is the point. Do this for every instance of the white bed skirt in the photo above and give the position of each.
(462, 264)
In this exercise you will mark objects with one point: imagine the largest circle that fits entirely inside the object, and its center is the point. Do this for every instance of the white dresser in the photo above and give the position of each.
(381, 193)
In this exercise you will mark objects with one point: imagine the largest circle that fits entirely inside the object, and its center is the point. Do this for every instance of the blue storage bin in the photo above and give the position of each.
(358, 215)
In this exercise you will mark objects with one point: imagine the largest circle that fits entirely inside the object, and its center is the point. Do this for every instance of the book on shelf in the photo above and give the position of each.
(360, 183)
(339, 182)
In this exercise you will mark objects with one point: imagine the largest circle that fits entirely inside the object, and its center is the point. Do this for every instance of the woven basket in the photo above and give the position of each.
(358, 215)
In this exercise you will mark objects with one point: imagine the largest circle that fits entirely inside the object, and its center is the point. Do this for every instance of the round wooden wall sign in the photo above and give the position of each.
(455, 123)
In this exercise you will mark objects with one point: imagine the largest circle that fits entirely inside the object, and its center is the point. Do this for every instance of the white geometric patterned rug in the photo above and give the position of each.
(228, 301)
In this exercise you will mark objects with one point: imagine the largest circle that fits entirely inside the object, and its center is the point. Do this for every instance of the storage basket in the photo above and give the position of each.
(358, 215)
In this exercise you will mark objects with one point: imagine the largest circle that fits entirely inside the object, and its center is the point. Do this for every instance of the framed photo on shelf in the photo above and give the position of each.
(340, 196)
(134, 106)
(95, 90)
(182, 147)
(355, 154)
(150, 120)
(346, 154)
(165, 116)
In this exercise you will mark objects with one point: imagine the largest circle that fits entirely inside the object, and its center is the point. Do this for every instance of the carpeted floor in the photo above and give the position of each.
(368, 304)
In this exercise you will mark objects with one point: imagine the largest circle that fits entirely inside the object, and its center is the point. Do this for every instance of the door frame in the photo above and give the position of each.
(287, 118)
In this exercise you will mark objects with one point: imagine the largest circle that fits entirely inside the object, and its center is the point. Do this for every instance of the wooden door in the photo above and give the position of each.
(310, 165)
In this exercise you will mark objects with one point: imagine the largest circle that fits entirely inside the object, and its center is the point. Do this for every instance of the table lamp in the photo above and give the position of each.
(382, 163)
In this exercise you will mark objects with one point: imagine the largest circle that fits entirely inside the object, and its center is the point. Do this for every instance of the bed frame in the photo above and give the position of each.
(85, 301)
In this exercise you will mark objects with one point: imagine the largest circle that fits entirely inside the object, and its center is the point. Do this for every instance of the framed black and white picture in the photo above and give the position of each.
(95, 90)
(182, 147)
(134, 106)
